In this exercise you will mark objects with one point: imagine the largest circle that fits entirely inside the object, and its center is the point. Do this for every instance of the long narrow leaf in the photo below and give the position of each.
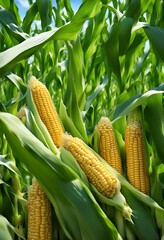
(135, 101)
(8, 21)
(156, 36)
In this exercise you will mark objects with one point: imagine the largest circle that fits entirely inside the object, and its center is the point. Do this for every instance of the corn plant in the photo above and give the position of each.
(101, 61)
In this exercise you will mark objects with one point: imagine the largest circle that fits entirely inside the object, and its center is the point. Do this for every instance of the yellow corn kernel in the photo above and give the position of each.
(39, 214)
(103, 180)
(46, 109)
(136, 153)
(108, 147)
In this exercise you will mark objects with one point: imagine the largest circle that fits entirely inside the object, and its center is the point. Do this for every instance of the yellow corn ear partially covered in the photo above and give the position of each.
(46, 109)
(108, 147)
(135, 150)
(39, 214)
(103, 180)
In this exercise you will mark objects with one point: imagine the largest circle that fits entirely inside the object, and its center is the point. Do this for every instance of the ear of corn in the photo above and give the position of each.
(46, 109)
(136, 153)
(39, 213)
(104, 181)
(108, 147)
(105, 184)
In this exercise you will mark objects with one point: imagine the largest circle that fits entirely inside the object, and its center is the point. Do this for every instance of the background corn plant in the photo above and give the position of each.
(106, 58)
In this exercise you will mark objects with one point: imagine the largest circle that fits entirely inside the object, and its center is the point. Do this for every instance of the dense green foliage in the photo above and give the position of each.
(106, 58)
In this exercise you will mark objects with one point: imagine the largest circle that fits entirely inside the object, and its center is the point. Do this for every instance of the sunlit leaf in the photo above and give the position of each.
(29, 17)
(8, 21)
(135, 101)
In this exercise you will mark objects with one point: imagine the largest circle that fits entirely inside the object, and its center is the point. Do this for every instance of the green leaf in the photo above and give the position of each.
(154, 115)
(9, 164)
(93, 34)
(11, 6)
(4, 229)
(139, 66)
(5, 4)
(157, 188)
(87, 10)
(76, 66)
(9, 22)
(135, 101)
(7, 231)
(69, 8)
(68, 123)
(91, 97)
(75, 114)
(161, 174)
(142, 218)
(135, 45)
(125, 27)
(111, 52)
(156, 36)
(44, 11)
(29, 17)
(17, 82)
(135, 8)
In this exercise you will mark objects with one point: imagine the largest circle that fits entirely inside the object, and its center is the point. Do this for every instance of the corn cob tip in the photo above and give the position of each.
(104, 121)
(127, 212)
(134, 116)
(21, 113)
(103, 124)
(65, 137)
(33, 83)
(117, 186)
(33, 78)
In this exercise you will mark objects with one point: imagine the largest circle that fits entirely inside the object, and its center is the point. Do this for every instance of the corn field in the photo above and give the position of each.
(82, 120)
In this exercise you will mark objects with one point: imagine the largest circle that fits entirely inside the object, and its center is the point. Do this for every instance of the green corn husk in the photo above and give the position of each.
(137, 200)
(7, 231)
(4, 230)
(36, 126)
(142, 218)
(77, 210)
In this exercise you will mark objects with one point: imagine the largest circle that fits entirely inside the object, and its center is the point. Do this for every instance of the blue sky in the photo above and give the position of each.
(23, 5)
